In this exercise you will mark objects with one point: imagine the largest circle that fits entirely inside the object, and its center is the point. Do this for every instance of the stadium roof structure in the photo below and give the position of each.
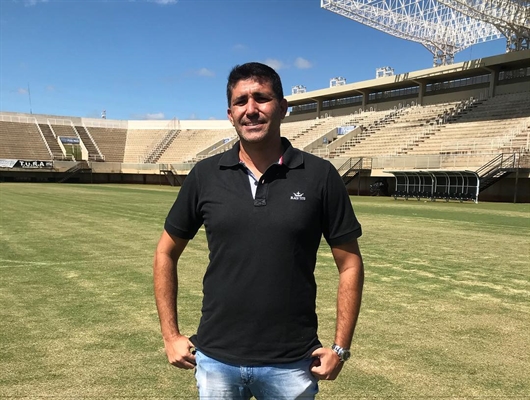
(520, 59)
(444, 27)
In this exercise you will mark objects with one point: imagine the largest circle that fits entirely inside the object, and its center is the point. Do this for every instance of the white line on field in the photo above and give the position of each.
(17, 263)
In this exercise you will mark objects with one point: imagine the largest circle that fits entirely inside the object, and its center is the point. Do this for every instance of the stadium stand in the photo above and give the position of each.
(457, 123)
(111, 142)
(88, 141)
(487, 127)
(394, 132)
(51, 140)
(190, 142)
(140, 143)
(22, 140)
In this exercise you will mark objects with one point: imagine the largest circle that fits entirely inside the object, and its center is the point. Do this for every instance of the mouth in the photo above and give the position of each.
(252, 122)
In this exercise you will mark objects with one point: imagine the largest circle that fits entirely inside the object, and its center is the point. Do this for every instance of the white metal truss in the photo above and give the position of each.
(511, 17)
(443, 30)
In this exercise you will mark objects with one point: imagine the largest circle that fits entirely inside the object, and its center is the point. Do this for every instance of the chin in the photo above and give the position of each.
(253, 137)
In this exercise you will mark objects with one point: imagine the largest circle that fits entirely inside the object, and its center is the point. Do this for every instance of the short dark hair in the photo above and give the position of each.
(254, 70)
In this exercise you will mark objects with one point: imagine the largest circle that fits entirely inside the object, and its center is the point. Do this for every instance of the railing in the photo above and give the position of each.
(224, 146)
(17, 118)
(158, 149)
(104, 123)
(52, 130)
(432, 161)
(353, 163)
(155, 152)
(484, 145)
(502, 161)
(100, 154)
(44, 140)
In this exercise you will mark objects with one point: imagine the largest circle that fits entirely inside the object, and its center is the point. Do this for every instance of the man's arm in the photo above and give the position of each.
(351, 279)
(165, 282)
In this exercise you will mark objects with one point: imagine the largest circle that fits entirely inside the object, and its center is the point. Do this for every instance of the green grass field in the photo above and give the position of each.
(446, 307)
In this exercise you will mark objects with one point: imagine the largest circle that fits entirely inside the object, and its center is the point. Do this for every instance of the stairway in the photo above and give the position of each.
(93, 150)
(496, 169)
(50, 138)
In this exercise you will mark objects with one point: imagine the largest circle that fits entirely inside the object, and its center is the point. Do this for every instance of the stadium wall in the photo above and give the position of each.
(515, 187)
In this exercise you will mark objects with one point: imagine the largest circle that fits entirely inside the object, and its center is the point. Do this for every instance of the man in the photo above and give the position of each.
(265, 207)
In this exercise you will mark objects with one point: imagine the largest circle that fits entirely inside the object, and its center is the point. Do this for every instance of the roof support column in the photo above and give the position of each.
(421, 90)
(320, 103)
(364, 93)
(365, 98)
(494, 80)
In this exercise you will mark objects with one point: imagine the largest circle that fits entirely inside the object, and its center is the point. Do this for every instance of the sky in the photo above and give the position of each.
(166, 59)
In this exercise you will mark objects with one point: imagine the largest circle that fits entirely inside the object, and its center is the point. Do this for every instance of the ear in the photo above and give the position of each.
(229, 115)
(283, 107)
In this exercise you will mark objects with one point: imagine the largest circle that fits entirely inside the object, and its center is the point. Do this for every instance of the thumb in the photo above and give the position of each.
(318, 352)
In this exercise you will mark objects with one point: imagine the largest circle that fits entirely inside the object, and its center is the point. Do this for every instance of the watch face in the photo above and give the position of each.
(346, 355)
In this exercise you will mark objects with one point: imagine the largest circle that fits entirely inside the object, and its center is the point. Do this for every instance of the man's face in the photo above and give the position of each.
(254, 110)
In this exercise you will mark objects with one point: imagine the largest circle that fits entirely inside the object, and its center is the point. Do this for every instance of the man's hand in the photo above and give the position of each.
(327, 364)
(178, 350)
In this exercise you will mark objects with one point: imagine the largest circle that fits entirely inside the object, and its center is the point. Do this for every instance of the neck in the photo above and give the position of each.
(259, 156)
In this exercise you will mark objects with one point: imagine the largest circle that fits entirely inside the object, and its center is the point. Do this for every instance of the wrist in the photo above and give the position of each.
(171, 336)
(342, 353)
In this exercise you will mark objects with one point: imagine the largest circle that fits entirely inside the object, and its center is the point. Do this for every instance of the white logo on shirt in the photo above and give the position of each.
(297, 196)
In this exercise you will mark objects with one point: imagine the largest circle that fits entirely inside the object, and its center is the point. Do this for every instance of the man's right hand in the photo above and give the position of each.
(179, 352)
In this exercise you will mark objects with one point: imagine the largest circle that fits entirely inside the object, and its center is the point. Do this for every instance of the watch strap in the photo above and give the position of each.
(344, 354)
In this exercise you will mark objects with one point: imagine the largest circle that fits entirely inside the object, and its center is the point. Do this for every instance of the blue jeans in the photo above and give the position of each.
(217, 380)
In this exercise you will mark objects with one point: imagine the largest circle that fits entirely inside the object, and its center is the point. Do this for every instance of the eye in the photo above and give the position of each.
(240, 101)
(262, 99)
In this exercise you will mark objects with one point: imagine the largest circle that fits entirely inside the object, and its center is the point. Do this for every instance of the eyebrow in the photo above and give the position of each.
(253, 94)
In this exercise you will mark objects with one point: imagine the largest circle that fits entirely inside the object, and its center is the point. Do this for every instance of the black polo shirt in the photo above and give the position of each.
(259, 288)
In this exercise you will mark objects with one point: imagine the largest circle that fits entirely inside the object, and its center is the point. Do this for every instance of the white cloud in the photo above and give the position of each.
(274, 64)
(22, 91)
(50, 88)
(193, 116)
(30, 3)
(164, 2)
(159, 115)
(302, 63)
(149, 116)
(93, 114)
(239, 47)
(205, 72)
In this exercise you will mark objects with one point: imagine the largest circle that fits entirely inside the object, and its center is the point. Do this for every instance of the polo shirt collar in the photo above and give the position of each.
(292, 158)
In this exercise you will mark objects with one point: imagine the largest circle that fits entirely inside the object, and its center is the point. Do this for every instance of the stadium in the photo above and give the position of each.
(455, 131)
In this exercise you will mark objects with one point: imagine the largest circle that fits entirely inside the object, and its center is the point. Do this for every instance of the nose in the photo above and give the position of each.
(252, 107)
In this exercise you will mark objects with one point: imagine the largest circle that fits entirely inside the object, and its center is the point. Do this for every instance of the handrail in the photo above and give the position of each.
(346, 166)
(488, 165)
(501, 161)
(157, 149)
(50, 152)
(350, 165)
(92, 140)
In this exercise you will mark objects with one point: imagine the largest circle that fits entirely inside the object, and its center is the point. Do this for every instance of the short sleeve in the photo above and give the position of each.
(184, 218)
(340, 223)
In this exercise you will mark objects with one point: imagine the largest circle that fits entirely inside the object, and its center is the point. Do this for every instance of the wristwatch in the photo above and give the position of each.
(344, 354)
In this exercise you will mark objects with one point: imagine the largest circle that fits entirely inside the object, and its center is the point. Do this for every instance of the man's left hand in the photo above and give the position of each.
(327, 364)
